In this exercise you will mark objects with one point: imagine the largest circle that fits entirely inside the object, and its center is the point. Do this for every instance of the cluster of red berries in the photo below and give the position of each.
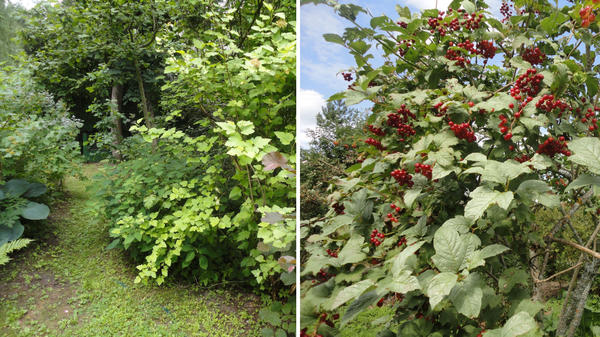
(402, 24)
(587, 16)
(547, 103)
(404, 111)
(391, 217)
(375, 143)
(339, 208)
(405, 131)
(528, 83)
(504, 128)
(404, 46)
(505, 11)
(440, 109)
(332, 253)
(380, 302)
(375, 130)
(463, 131)
(486, 49)
(347, 77)
(522, 158)
(553, 146)
(533, 55)
(469, 21)
(402, 241)
(480, 334)
(402, 177)
(377, 237)
(323, 276)
(424, 170)
(590, 117)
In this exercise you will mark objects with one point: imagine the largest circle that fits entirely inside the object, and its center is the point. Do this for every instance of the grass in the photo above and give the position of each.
(66, 284)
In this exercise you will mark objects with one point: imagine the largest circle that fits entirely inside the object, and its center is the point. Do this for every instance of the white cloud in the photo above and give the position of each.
(309, 104)
(316, 21)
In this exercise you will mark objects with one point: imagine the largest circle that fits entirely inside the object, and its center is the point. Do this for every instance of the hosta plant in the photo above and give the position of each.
(478, 122)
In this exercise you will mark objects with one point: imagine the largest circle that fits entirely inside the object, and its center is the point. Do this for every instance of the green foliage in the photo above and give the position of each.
(11, 246)
(37, 135)
(331, 151)
(445, 206)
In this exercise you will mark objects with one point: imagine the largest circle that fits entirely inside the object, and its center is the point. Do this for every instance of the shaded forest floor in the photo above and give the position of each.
(66, 284)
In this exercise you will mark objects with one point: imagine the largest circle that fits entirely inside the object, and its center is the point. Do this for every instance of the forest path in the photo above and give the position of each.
(66, 284)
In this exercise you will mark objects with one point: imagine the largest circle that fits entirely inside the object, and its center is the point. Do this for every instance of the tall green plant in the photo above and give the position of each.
(475, 119)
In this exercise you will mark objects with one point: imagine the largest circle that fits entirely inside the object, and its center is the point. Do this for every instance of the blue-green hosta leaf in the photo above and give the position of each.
(10, 233)
(15, 187)
(350, 293)
(440, 287)
(35, 190)
(450, 250)
(466, 296)
(35, 211)
(352, 251)
(586, 152)
(482, 198)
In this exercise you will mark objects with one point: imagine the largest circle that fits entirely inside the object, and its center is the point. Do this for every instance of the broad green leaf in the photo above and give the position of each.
(440, 287)
(586, 152)
(35, 190)
(410, 196)
(359, 305)
(351, 292)
(511, 277)
(518, 325)
(482, 197)
(352, 251)
(246, 127)
(284, 137)
(459, 223)
(354, 97)
(538, 191)
(10, 233)
(399, 261)
(15, 187)
(35, 211)
(334, 38)
(584, 180)
(402, 282)
(493, 250)
(450, 250)
(466, 296)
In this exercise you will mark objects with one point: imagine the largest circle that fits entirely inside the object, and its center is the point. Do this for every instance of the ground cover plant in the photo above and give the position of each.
(481, 128)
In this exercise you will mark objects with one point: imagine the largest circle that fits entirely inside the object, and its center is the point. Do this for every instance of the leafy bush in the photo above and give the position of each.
(474, 120)
(37, 135)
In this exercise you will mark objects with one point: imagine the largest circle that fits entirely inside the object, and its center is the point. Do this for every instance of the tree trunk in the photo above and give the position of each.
(116, 100)
(577, 304)
(148, 115)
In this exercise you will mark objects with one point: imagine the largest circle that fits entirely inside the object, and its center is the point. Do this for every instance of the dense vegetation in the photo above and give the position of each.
(474, 195)
(193, 104)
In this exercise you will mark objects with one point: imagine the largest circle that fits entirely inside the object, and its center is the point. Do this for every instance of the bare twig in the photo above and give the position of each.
(576, 246)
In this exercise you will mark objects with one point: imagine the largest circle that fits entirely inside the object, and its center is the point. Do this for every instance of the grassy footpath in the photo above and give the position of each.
(66, 284)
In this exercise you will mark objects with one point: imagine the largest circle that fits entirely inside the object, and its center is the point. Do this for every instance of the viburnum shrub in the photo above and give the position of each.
(472, 125)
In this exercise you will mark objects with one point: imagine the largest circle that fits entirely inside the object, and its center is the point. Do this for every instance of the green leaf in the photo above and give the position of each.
(35, 211)
(269, 316)
(586, 152)
(352, 251)
(16, 187)
(354, 97)
(518, 325)
(334, 38)
(10, 233)
(284, 137)
(410, 196)
(351, 292)
(246, 127)
(511, 277)
(359, 305)
(538, 191)
(482, 197)
(584, 180)
(450, 250)
(466, 296)
(35, 190)
(440, 287)
(493, 250)
(402, 282)
(203, 262)
(468, 6)
(399, 261)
